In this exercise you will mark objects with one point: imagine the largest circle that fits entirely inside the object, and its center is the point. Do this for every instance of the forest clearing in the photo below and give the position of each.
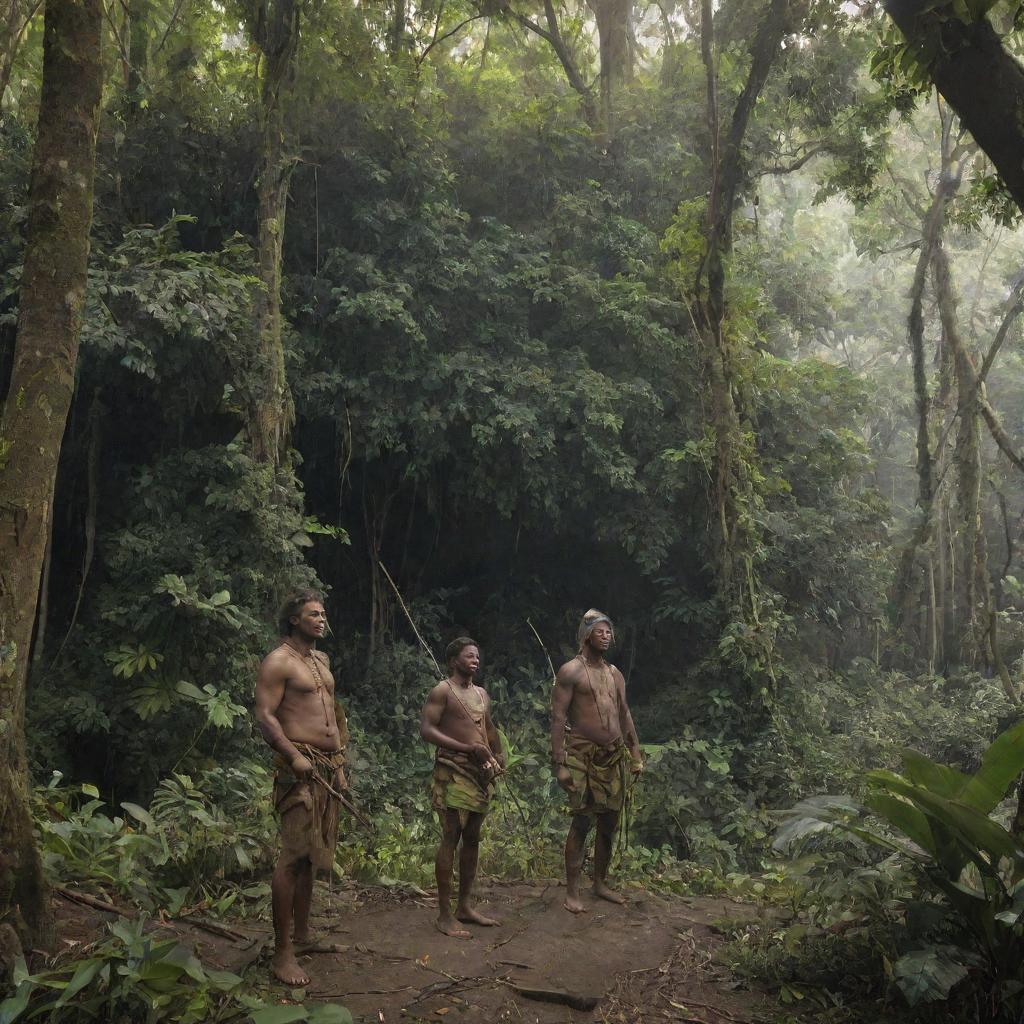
(523, 496)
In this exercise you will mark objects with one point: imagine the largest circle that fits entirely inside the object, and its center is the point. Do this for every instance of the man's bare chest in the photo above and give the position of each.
(302, 682)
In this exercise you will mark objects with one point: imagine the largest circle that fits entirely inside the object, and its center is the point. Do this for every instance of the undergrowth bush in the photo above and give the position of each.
(197, 836)
(131, 975)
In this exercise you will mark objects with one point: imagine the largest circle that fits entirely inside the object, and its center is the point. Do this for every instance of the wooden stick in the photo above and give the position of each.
(92, 901)
(551, 664)
(408, 615)
(345, 802)
(213, 927)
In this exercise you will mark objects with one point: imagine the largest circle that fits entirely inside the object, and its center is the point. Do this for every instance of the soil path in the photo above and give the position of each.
(650, 960)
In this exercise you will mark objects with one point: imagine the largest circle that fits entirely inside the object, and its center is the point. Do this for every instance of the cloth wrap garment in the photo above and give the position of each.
(308, 812)
(460, 784)
(599, 775)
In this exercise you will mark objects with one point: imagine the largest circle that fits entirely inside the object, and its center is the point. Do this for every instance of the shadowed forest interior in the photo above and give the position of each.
(476, 315)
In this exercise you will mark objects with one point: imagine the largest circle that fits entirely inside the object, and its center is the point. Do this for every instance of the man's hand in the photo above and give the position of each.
(564, 779)
(340, 782)
(637, 766)
(302, 767)
(481, 753)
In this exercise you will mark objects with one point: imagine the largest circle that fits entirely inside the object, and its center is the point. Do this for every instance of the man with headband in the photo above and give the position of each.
(595, 750)
(457, 720)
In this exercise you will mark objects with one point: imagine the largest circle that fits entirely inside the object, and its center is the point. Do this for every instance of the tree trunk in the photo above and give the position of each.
(908, 588)
(729, 484)
(396, 31)
(274, 26)
(972, 599)
(138, 15)
(613, 47)
(42, 384)
(977, 77)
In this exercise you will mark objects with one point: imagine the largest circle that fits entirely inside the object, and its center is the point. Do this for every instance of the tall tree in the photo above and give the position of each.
(138, 14)
(613, 31)
(730, 483)
(36, 410)
(274, 27)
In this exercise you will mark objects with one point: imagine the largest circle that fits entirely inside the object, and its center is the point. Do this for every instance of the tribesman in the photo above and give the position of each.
(457, 719)
(295, 711)
(595, 751)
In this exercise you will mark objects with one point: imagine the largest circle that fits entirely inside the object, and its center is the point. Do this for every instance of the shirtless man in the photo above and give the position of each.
(296, 714)
(594, 747)
(457, 720)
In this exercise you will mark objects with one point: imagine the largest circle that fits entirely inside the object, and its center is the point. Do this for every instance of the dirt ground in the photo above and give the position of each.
(651, 960)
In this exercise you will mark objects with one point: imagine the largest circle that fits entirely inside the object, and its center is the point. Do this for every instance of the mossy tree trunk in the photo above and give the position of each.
(730, 483)
(274, 28)
(36, 411)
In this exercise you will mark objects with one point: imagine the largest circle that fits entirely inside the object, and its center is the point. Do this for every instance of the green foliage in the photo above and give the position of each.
(197, 834)
(940, 821)
(130, 975)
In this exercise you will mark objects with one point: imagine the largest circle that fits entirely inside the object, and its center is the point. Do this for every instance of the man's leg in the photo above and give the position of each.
(575, 848)
(303, 901)
(451, 832)
(603, 845)
(283, 895)
(468, 856)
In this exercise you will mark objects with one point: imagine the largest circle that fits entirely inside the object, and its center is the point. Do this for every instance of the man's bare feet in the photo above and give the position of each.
(575, 905)
(470, 916)
(603, 892)
(286, 968)
(447, 926)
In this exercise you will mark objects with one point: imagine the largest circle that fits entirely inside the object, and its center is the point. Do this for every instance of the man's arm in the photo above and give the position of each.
(561, 698)
(626, 723)
(270, 687)
(493, 736)
(430, 722)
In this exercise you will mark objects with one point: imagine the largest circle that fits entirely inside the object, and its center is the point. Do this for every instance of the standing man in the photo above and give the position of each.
(296, 714)
(457, 720)
(595, 749)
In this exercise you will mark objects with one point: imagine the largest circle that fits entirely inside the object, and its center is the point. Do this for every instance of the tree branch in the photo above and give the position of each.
(440, 39)
(552, 35)
(1004, 328)
(795, 165)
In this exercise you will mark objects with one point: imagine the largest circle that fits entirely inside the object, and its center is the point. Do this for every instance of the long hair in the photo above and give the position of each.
(293, 604)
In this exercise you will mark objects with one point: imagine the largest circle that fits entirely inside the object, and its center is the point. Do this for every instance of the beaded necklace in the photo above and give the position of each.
(314, 665)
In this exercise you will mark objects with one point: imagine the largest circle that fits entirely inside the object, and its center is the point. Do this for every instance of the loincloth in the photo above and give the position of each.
(308, 812)
(459, 784)
(598, 775)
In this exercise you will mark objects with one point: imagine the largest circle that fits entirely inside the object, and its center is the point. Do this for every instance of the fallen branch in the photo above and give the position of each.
(703, 1006)
(214, 928)
(365, 992)
(91, 901)
(554, 995)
